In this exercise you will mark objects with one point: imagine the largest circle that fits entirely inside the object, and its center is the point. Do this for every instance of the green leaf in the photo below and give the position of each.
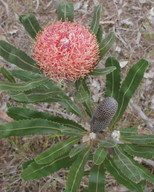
(56, 151)
(113, 79)
(7, 74)
(19, 113)
(77, 150)
(21, 87)
(25, 75)
(27, 163)
(106, 44)
(83, 95)
(129, 86)
(17, 57)
(139, 151)
(107, 143)
(126, 166)
(35, 171)
(105, 71)
(97, 179)
(30, 24)
(128, 132)
(99, 34)
(121, 178)
(145, 173)
(99, 155)
(65, 11)
(33, 127)
(96, 17)
(138, 139)
(76, 171)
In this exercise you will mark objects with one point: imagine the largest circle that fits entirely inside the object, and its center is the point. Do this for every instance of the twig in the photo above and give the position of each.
(6, 7)
(5, 117)
(53, 111)
(146, 161)
(142, 115)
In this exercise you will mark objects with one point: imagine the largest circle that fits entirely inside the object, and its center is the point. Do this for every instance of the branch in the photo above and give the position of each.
(142, 115)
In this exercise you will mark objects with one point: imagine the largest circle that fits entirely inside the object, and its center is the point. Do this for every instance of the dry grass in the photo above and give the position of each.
(134, 30)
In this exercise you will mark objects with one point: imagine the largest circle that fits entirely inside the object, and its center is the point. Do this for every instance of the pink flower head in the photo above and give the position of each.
(66, 50)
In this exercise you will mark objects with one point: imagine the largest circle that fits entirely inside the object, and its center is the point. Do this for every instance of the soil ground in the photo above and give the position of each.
(133, 23)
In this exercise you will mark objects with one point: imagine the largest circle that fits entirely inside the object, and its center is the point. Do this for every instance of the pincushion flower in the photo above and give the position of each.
(66, 50)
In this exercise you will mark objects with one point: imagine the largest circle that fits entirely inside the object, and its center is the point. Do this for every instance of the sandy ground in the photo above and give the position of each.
(133, 23)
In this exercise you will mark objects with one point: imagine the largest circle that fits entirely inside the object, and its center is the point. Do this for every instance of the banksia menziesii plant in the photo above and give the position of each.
(104, 114)
(66, 50)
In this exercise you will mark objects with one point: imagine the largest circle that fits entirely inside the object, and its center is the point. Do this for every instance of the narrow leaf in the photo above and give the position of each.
(105, 71)
(7, 74)
(56, 151)
(77, 150)
(30, 24)
(127, 167)
(106, 44)
(21, 87)
(97, 179)
(76, 172)
(99, 34)
(96, 17)
(25, 75)
(145, 173)
(19, 113)
(83, 95)
(32, 127)
(139, 151)
(35, 171)
(121, 178)
(17, 57)
(65, 11)
(107, 143)
(113, 79)
(99, 155)
(129, 86)
(27, 163)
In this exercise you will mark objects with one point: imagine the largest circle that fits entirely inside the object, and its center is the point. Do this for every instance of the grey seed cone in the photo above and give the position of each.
(103, 114)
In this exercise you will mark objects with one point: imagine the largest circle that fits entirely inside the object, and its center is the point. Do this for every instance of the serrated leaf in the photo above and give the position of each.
(145, 173)
(19, 113)
(83, 95)
(17, 57)
(65, 11)
(107, 143)
(27, 163)
(25, 75)
(56, 151)
(99, 34)
(35, 171)
(99, 155)
(96, 17)
(76, 171)
(113, 79)
(106, 44)
(77, 150)
(33, 127)
(7, 74)
(48, 92)
(21, 87)
(129, 86)
(138, 139)
(126, 166)
(97, 179)
(139, 151)
(30, 24)
(105, 71)
(121, 178)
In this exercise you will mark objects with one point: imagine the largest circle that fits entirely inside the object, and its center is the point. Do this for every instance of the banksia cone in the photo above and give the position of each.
(103, 114)
(66, 50)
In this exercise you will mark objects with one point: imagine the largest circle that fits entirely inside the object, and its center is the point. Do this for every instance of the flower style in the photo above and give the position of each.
(66, 51)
